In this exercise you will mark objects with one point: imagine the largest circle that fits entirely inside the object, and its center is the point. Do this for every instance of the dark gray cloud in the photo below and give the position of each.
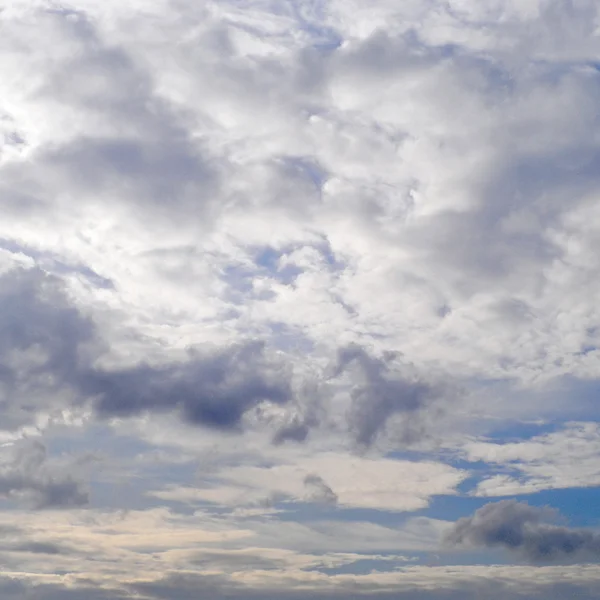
(297, 431)
(309, 414)
(47, 348)
(525, 530)
(28, 475)
(381, 393)
(211, 389)
(319, 490)
(41, 340)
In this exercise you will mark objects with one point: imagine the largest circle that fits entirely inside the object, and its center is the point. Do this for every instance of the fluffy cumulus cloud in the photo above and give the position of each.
(288, 289)
(524, 529)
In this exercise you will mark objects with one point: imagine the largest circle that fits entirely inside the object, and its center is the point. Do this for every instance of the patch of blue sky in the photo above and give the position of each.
(287, 338)
(117, 454)
(542, 410)
(268, 259)
(335, 263)
(93, 438)
(129, 494)
(240, 277)
(514, 431)
(307, 168)
(239, 280)
(582, 395)
(309, 18)
(586, 349)
(579, 506)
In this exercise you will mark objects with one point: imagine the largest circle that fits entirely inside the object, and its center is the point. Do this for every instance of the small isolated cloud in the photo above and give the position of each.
(525, 530)
(319, 491)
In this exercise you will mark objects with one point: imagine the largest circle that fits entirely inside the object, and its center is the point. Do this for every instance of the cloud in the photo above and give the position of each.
(353, 481)
(442, 220)
(170, 553)
(49, 347)
(407, 583)
(40, 548)
(319, 491)
(560, 459)
(99, 545)
(211, 389)
(42, 343)
(380, 393)
(59, 347)
(430, 198)
(27, 475)
(525, 530)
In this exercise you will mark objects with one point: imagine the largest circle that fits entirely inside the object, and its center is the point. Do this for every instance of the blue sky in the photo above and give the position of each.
(299, 299)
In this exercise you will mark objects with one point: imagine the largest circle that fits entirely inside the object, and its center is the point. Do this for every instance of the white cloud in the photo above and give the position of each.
(380, 484)
(566, 458)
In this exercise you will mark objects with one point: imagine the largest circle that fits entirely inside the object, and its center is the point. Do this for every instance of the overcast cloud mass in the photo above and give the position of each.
(299, 299)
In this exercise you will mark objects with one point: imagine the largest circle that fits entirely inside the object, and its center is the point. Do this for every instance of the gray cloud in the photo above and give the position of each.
(319, 491)
(41, 336)
(198, 587)
(211, 389)
(17, 589)
(308, 414)
(28, 475)
(40, 548)
(205, 587)
(44, 344)
(381, 393)
(48, 347)
(297, 430)
(526, 530)
(230, 562)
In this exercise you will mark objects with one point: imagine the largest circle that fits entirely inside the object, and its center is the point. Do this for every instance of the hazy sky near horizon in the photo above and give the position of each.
(299, 299)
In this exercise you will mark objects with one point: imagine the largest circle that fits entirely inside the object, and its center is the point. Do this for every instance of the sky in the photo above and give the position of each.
(299, 299)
